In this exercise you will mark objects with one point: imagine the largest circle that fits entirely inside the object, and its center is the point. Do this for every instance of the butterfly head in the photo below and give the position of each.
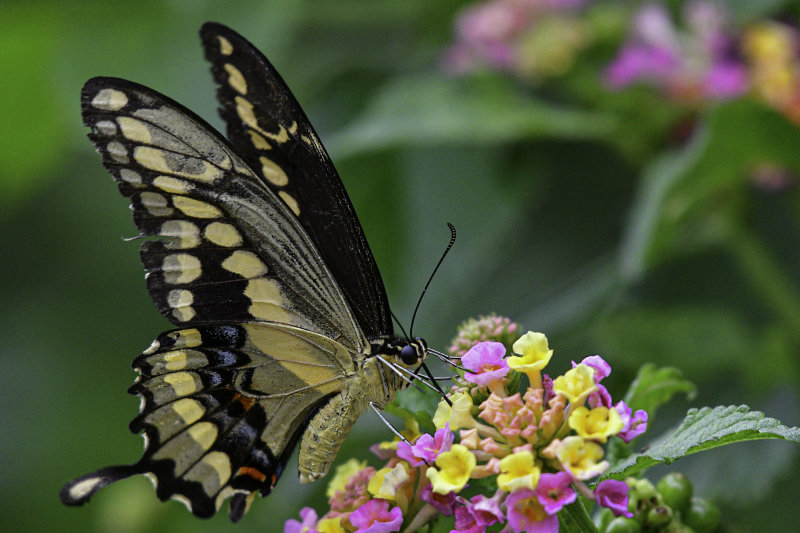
(414, 353)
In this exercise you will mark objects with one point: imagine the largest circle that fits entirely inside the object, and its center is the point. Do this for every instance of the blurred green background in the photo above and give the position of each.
(638, 221)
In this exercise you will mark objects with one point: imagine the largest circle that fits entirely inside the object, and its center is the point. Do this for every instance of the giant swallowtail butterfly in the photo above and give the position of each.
(285, 329)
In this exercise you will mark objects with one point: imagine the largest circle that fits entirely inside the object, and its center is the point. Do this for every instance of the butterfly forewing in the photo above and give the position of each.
(233, 249)
(272, 134)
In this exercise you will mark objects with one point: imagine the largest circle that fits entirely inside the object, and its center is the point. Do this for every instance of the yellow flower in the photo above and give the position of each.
(459, 415)
(534, 354)
(454, 469)
(330, 525)
(576, 384)
(581, 457)
(343, 474)
(384, 483)
(596, 424)
(518, 471)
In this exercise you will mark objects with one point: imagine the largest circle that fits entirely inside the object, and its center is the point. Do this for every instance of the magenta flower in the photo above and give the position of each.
(525, 513)
(309, 522)
(486, 510)
(426, 449)
(726, 79)
(375, 517)
(444, 503)
(486, 360)
(600, 398)
(547, 385)
(633, 426)
(613, 495)
(554, 491)
(601, 367)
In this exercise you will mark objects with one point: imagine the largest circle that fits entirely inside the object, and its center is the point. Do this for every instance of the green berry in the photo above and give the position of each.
(644, 489)
(676, 491)
(702, 516)
(658, 517)
(623, 525)
(605, 517)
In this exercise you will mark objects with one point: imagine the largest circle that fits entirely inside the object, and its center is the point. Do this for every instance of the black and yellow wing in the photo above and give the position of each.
(271, 133)
(255, 252)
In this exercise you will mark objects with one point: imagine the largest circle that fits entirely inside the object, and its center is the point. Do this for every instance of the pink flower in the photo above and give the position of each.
(426, 449)
(486, 510)
(633, 426)
(554, 491)
(375, 517)
(444, 503)
(601, 367)
(486, 360)
(613, 494)
(600, 398)
(726, 79)
(309, 522)
(525, 513)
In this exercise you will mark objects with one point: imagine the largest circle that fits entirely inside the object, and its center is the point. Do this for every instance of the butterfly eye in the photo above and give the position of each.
(408, 355)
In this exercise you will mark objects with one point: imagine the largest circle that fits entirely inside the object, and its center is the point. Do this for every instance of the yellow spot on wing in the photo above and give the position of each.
(180, 298)
(195, 208)
(181, 268)
(245, 111)
(184, 314)
(185, 234)
(155, 204)
(290, 201)
(244, 263)
(266, 300)
(129, 176)
(188, 409)
(187, 338)
(110, 100)
(273, 172)
(225, 46)
(117, 152)
(135, 130)
(182, 383)
(221, 464)
(235, 79)
(155, 159)
(105, 127)
(223, 234)
(258, 141)
(204, 434)
(173, 185)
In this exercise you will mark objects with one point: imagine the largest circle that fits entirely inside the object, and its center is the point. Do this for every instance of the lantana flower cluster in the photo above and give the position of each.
(498, 458)
(534, 39)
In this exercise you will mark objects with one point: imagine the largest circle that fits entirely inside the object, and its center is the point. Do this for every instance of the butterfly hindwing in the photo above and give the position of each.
(270, 131)
(233, 250)
(222, 407)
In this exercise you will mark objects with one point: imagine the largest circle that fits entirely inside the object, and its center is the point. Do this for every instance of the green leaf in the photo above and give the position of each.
(653, 387)
(432, 109)
(574, 518)
(705, 429)
(411, 403)
(696, 197)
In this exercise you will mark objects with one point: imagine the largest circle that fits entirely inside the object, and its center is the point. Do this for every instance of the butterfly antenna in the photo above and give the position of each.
(446, 250)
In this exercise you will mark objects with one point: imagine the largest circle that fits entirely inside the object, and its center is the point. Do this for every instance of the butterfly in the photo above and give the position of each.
(284, 328)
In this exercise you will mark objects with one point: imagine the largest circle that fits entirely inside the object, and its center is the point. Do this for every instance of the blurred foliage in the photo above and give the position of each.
(617, 223)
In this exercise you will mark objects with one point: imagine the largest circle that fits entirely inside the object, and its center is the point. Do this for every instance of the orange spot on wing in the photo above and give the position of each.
(251, 472)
